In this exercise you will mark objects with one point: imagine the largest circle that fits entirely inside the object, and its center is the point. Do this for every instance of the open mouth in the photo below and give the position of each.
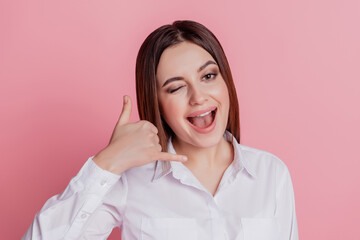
(204, 120)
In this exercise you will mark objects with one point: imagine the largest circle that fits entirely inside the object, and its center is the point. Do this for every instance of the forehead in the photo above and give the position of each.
(180, 59)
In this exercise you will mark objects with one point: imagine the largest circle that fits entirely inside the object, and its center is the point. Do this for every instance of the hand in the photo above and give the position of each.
(132, 144)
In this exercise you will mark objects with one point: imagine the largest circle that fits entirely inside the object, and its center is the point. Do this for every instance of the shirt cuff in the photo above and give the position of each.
(96, 179)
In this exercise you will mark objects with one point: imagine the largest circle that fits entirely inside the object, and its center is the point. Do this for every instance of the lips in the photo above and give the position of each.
(203, 111)
(203, 121)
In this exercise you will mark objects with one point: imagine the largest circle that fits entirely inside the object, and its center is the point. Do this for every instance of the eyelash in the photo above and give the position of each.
(213, 76)
(174, 90)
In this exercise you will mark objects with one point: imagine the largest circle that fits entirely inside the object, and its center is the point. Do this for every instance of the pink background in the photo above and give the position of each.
(65, 65)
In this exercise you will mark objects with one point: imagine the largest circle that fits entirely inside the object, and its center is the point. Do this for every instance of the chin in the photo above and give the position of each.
(208, 142)
(202, 140)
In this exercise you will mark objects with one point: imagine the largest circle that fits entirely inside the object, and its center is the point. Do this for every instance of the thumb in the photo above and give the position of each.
(126, 111)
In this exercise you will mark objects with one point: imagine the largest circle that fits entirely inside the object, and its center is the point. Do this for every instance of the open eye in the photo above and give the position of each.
(209, 76)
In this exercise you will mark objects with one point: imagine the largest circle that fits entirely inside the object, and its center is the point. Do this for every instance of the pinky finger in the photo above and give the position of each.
(171, 157)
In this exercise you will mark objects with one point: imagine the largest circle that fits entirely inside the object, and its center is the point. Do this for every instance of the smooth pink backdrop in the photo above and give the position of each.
(65, 65)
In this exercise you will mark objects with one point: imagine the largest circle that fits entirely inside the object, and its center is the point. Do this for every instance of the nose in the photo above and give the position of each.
(197, 96)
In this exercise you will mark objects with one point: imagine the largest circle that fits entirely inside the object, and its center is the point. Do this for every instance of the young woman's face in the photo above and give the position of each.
(193, 96)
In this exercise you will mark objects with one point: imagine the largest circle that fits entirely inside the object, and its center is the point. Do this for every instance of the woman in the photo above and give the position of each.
(180, 172)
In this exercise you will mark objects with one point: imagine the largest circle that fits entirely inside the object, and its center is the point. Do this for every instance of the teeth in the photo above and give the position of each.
(204, 114)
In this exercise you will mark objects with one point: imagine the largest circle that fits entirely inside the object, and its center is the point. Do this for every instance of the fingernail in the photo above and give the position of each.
(125, 99)
(185, 158)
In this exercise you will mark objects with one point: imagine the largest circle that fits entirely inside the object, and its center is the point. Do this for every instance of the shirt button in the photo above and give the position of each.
(103, 182)
(84, 215)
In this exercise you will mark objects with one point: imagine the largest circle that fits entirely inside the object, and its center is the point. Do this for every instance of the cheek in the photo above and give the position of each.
(171, 112)
(224, 100)
(221, 93)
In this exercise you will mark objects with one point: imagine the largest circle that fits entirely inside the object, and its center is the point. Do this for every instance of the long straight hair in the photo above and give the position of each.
(148, 60)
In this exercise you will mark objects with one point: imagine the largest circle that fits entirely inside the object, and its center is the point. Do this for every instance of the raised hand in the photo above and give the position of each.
(132, 144)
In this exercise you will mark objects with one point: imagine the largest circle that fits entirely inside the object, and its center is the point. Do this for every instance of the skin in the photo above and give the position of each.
(191, 90)
(132, 144)
(206, 155)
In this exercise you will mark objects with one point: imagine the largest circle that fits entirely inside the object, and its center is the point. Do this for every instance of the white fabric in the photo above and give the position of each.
(165, 201)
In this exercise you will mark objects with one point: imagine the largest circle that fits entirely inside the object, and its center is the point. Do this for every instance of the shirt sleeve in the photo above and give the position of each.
(89, 208)
(285, 205)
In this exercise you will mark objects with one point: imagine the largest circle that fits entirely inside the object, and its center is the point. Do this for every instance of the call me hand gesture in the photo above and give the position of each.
(132, 144)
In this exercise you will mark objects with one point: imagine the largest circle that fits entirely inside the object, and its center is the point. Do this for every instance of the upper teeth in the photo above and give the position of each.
(201, 115)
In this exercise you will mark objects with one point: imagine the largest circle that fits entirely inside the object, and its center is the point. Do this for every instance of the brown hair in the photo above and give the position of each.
(147, 62)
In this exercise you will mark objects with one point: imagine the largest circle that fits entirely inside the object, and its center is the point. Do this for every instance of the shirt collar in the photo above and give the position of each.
(162, 167)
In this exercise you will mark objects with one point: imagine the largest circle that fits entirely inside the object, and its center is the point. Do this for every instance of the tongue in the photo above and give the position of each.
(202, 122)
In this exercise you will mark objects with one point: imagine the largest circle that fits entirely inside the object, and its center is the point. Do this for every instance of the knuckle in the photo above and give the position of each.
(141, 122)
(149, 135)
(138, 124)
(146, 124)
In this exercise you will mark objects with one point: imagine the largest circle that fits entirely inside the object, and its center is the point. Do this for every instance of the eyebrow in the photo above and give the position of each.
(181, 78)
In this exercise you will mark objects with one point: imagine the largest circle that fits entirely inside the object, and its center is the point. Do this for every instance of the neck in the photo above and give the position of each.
(205, 158)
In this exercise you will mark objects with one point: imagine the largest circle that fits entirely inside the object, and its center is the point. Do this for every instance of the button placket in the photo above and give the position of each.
(218, 225)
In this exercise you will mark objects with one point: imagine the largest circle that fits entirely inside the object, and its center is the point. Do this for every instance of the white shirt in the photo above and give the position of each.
(164, 201)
